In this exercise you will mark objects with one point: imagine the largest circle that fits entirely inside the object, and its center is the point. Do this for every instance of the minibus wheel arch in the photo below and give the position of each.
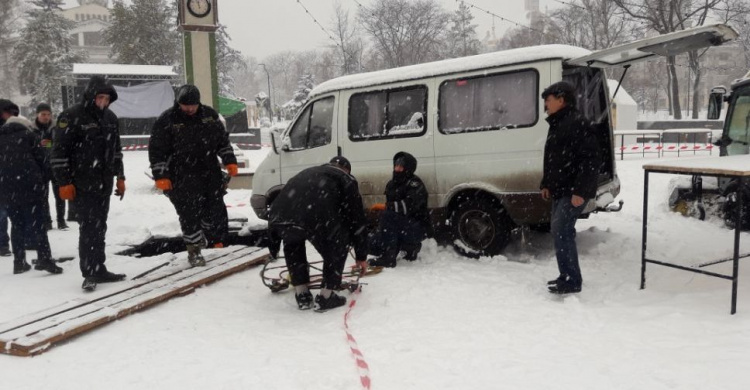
(480, 224)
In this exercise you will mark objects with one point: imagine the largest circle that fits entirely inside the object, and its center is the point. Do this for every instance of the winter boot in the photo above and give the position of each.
(20, 267)
(382, 262)
(5, 251)
(104, 276)
(304, 300)
(61, 225)
(560, 279)
(48, 265)
(195, 258)
(564, 287)
(323, 304)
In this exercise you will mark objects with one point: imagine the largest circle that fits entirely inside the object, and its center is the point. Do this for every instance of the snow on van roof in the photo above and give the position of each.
(463, 64)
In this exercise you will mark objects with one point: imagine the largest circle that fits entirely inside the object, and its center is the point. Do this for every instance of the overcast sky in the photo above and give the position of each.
(260, 28)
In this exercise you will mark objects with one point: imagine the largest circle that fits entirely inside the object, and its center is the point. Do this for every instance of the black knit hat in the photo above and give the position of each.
(8, 106)
(562, 89)
(341, 162)
(43, 107)
(188, 94)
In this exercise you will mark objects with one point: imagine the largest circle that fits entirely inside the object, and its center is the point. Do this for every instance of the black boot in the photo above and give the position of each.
(195, 258)
(20, 267)
(324, 304)
(61, 225)
(304, 300)
(49, 266)
(5, 251)
(382, 262)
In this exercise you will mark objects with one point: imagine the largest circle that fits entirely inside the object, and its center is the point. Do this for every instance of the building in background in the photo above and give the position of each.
(92, 17)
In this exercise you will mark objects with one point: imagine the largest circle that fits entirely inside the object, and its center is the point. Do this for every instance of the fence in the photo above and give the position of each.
(662, 142)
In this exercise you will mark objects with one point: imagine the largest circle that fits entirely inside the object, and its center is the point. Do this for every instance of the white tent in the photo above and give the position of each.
(624, 108)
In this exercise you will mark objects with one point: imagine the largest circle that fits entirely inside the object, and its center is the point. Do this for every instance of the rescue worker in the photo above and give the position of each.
(22, 165)
(184, 150)
(8, 109)
(86, 157)
(404, 221)
(570, 177)
(321, 204)
(43, 128)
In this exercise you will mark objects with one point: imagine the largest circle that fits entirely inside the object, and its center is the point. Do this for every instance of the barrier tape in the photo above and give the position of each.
(667, 147)
(362, 367)
(145, 147)
(229, 206)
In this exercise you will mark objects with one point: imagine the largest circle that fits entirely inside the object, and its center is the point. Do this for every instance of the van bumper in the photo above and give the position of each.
(605, 196)
(259, 204)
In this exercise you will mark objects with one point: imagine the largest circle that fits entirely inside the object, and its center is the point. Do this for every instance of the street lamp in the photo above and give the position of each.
(270, 102)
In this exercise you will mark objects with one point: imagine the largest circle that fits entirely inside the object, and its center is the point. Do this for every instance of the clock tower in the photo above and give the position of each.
(199, 20)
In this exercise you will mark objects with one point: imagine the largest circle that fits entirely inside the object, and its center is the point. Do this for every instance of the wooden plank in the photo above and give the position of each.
(38, 336)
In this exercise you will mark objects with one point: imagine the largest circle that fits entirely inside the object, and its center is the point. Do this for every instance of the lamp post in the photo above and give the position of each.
(270, 102)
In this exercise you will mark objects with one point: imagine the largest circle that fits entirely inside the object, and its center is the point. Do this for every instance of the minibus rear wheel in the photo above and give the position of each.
(481, 227)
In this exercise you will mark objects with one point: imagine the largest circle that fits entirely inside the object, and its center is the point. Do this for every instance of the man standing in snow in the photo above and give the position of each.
(570, 178)
(403, 222)
(8, 109)
(321, 204)
(184, 150)
(43, 128)
(86, 157)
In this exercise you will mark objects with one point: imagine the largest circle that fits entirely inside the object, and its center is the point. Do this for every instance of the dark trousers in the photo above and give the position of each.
(26, 220)
(59, 203)
(4, 239)
(563, 229)
(395, 233)
(91, 214)
(330, 246)
(202, 214)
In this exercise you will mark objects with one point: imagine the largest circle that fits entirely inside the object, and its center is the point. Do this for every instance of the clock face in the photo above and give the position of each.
(199, 8)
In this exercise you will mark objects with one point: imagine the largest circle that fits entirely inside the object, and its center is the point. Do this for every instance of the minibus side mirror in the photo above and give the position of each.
(715, 101)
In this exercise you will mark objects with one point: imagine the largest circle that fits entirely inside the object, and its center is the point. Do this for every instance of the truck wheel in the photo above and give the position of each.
(480, 228)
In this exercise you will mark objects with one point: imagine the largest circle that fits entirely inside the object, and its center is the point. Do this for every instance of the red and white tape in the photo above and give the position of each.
(229, 206)
(362, 367)
(144, 147)
(635, 148)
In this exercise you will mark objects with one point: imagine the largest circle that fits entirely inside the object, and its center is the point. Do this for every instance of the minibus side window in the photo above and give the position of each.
(388, 114)
(489, 102)
(314, 126)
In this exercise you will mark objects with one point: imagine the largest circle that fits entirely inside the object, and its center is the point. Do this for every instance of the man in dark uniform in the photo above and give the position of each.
(321, 204)
(403, 223)
(184, 150)
(571, 166)
(43, 128)
(86, 157)
(22, 164)
(8, 109)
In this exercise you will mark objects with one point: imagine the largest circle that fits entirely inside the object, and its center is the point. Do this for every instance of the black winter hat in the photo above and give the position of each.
(188, 94)
(562, 89)
(43, 107)
(10, 107)
(98, 85)
(341, 162)
(405, 160)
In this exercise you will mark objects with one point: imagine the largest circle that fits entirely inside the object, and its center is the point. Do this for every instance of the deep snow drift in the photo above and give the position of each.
(442, 322)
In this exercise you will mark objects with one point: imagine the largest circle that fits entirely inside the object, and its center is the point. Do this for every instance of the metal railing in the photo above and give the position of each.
(661, 142)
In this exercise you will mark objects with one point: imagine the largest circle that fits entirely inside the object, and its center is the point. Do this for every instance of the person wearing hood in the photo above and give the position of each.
(405, 219)
(86, 158)
(8, 109)
(571, 165)
(22, 165)
(320, 204)
(43, 129)
(186, 144)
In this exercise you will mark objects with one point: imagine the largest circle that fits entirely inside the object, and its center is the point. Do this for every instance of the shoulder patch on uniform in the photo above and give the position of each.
(414, 183)
(62, 123)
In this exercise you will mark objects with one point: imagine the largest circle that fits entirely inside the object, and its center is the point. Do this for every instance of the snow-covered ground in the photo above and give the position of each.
(442, 322)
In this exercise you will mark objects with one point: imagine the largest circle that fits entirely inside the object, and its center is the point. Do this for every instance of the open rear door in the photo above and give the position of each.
(662, 45)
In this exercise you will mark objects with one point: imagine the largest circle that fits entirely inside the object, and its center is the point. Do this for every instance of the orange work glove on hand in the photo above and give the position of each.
(120, 188)
(68, 192)
(164, 184)
(232, 169)
(378, 207)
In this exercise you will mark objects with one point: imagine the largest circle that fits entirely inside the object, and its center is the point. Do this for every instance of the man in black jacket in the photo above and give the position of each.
(86, 157)
(43, 128)
(403, 223)
(321, 204)
(571, 166)
(22, 164)
(8, 109)
(184, 150)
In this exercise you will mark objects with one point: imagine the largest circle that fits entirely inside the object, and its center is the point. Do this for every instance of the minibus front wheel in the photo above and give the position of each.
(481, 227)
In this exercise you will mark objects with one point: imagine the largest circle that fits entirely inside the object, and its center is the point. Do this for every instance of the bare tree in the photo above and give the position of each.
(405, 32)
(349, 45)
(593, 24)
(10, 14)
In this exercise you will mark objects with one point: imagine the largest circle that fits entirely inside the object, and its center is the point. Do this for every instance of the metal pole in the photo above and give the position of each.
(644, 232)
(737, 227)
(270, 101)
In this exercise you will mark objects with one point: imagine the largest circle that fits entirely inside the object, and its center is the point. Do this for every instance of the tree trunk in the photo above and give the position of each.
(695, 67)
(675, 89)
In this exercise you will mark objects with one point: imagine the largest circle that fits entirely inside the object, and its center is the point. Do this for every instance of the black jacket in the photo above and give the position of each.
(406, 194)
(86, 149)
(44, 132)
(185, 148)
(323, 199)
(571, 158)
(22, 163)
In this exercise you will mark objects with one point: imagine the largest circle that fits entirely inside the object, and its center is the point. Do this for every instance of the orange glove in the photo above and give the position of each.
(232, 169)
(378, 207)
(120, 188)
(68, 192)
(164, 184)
